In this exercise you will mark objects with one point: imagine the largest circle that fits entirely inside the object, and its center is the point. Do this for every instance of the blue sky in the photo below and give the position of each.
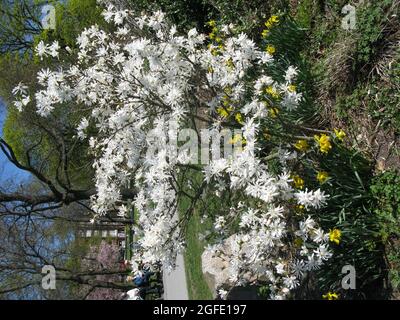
(7, 170)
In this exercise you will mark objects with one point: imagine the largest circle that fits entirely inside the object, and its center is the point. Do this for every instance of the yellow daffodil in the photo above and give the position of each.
(274, 19)
(335, 235)
(226, 97)
(299, 209)
(331, 296)
(264, 33)
(236, 138)
(270, 49)
(268, 24)
(324, 143)
(298, 242)
(298, 182)
(272, 92)
(228, 90)
(211, 23)
(223, 112)
(214, 52)
(271, 21)
(340, 134)
(322, 176)
(239, 118)
(229, 63)
(292, 88)
(302, 145)
(273, 112)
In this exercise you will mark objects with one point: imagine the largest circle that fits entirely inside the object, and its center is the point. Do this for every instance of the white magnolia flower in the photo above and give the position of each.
(41, 49)
(20, 89)
(291, 282)
(134, 294)
(223, 294)
(322, 252)
(291, 73)
(82, 127)
(280, 268)
(319, 235)
(219, 223)
(53, 49)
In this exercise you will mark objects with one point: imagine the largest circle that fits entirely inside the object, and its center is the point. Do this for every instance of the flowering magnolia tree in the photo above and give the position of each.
(139, 87)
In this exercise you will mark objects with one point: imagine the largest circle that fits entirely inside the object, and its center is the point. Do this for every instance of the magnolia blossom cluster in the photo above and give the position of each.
(261, 249)
(144, 76)
(21, 92)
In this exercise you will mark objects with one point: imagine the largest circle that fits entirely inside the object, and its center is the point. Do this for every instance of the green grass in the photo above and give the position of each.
(197, 286)
(386, 190)
(200, 222)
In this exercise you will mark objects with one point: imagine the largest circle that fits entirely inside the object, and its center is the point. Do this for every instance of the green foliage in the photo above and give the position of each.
(246, 15)
(15, 68)
(72, 17)
(304, 13)
(383, 103)
(14, 134)
(19, 22)
(379, 99)
(370, 22)
(350, 102)
(393, 256)
(290, 42)
(184, 14)
(385, 188)
(323, 36)
(21, 138)
(366, 211)
(25, 130)
(79, 248)
(349, 208)
(197, 286)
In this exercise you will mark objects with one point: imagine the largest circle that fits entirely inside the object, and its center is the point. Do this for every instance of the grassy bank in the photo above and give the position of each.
(197, 286)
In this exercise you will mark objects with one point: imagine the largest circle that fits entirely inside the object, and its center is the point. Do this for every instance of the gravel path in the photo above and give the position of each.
(175, 287)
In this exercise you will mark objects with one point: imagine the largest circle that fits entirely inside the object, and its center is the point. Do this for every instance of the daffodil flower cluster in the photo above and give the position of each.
(141, 83)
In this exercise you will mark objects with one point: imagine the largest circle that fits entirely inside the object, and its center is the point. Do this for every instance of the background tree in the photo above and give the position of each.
(47, 149)
(104, 256)
(19, 24)
(82, 265)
